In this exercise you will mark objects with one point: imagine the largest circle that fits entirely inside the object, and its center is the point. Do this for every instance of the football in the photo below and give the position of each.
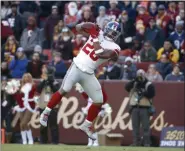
(89, 26)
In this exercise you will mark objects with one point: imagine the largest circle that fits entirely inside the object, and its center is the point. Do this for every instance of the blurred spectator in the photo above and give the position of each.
(10, 47)
(51, 22)
(163, 20)
(140, 34)
(112, 71)
(135, 48)
(153, 9)
(59, 65)
(129, 69)
(176, 75)
(137, 45)
(171, 53)
(172, 10)
(128, 30)
(148, 53)
(154, 34)
(142, 17)
(180, 16)
(113, 11)
(30, 37)
(152, 74)
(35, 65)
(18, 65)
(105, 23)
(178, 35)
(102, 16)
(44, 11)
(100, 73)
(5, 9)
(64, 44)
(28, 8)
(78, 43)
(6, 31)
(94, 7)
(86, 15)
(5, 72)
(180, 5)
(15, 22)
(38, 49)
(128, 7)
(71, 17)
(57, 30)
(164, 66)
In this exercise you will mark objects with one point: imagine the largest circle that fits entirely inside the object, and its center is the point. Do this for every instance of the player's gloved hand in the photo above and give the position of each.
(107, 108)
(92, 30)
(79, 88)
(95, 31)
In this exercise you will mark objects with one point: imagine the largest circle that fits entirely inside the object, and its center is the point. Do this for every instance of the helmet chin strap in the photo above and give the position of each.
(107, 38)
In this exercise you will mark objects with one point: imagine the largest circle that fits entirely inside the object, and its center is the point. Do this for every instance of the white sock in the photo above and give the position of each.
(90, 142)
(87, 123)
(47, 109)
(88, 105)
(23, 135)
(96, 136)
(30, 137)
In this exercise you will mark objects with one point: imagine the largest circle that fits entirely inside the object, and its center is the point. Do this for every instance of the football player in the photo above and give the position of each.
(99, 48)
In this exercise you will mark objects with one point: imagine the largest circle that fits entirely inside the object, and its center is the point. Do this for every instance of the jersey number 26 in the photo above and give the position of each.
(89, 50)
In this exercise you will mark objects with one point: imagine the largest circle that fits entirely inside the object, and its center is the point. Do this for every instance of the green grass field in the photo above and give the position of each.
(18, 147)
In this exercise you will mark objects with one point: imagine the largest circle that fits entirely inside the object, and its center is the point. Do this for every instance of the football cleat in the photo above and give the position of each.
(44, 118)
(90, 142)
(86, 127)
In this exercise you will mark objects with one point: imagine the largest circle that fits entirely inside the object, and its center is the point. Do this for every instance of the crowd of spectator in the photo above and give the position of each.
(39, 33)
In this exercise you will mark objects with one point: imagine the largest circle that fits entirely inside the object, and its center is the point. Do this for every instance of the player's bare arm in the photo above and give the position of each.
(104, 54)
(108, 54)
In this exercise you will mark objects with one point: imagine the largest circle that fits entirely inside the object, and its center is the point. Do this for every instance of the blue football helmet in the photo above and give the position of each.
(112, 30)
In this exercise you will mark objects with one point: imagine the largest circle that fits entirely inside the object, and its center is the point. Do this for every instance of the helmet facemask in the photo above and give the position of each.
(111, 34)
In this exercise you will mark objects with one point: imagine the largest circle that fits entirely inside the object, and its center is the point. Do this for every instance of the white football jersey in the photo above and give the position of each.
(87, 61)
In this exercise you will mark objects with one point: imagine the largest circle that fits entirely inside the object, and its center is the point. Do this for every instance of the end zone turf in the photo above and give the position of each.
(37, 147)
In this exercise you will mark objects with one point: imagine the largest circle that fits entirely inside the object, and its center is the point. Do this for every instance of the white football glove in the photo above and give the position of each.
(79, 88)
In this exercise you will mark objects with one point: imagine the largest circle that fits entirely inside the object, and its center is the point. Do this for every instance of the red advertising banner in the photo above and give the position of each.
(169, 103)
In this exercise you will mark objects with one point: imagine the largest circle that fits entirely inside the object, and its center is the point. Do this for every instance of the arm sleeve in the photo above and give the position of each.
(22, 39)
(175, 56)
(167, 78)
(12, 64)
(142, 56)
(159, 53)
(153, 56)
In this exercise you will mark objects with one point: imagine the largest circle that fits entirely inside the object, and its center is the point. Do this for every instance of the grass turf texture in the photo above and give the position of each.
(18, 147)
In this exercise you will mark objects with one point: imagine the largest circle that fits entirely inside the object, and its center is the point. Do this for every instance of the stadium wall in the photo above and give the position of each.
(169, 103)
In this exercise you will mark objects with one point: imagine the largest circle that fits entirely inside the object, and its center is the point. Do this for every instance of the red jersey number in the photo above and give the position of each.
(90, 53)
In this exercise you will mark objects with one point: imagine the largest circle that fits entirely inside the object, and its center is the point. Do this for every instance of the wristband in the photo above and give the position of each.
(99, 51)
(95, 40)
